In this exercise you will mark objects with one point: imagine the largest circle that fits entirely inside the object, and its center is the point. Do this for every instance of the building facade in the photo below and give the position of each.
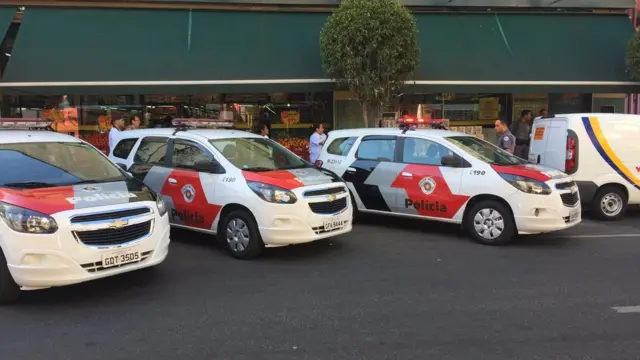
(82, 63)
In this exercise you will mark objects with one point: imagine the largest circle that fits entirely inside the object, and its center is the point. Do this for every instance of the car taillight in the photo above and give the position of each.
(319, 163)
(570, 162)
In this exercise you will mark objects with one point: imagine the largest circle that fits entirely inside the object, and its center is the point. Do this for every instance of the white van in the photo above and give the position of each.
(600, 151)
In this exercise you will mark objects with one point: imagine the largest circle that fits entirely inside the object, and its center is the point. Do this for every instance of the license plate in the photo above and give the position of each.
(334, 224)
(118, 258)
(573, 215)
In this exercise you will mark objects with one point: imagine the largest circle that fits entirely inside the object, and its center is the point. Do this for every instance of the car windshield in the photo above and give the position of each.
(47, 164)
(485, 151)
(258, 154)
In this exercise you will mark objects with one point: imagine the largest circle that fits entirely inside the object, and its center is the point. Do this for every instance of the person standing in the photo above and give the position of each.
(117, 125)
(506, 140)
(261, 129)
(521, 129)
(134, 123)
(316, 142)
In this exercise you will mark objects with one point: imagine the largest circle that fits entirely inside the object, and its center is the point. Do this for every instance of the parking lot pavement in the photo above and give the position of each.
(392, 289)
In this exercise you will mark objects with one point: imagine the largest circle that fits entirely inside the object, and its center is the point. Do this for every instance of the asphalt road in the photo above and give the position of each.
(392, 289)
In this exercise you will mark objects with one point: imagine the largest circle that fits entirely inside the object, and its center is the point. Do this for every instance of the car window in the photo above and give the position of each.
(374, 148)
(187, 153)
(258, 154)
(423, 151)
(124, 147)
(151, 151)
(485, 151)
(341, 146)
(55, 164)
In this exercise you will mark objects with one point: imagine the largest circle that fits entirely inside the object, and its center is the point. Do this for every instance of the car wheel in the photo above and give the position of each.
(609, 204)
(9, 290)
(490, 223)
(241, 236)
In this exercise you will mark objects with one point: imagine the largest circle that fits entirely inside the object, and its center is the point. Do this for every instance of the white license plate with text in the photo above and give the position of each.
(117, 258)
(334, 224)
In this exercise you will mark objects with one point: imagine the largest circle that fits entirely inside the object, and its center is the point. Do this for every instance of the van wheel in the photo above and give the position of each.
(9, 290)
(490, 223)
(241, 236)
(609, 204)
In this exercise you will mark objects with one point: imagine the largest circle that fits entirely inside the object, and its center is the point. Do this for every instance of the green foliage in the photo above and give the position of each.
(633, 57)
(371, 48)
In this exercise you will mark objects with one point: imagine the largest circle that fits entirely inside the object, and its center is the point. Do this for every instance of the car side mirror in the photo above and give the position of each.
(211, 167)
(452, 161)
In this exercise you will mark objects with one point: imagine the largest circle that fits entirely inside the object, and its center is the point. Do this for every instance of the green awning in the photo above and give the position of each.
(140, 51)
(529, 52)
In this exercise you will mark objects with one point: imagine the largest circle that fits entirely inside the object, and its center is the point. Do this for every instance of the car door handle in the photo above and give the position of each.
(172, 181)
(407, 175)
(351, 170)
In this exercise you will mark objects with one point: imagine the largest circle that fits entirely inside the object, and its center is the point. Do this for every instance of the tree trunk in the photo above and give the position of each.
(370, 114)
(365, 115)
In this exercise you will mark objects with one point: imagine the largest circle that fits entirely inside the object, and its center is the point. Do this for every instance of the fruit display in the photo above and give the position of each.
(299, 146)
(99, 140)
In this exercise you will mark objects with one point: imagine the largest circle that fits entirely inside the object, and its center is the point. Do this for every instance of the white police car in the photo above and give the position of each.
(69, 215)
(451, 177)
(250, 191)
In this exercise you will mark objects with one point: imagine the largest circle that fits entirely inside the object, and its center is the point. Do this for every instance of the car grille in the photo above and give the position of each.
(334, 190)
(570, 199)
(329, 207)
(565, 186)
(108, 237)
(110, 215)
(97, 266)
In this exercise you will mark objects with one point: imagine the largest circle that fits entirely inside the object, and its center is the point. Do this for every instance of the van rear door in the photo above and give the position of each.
(538, 143)
(549, 143)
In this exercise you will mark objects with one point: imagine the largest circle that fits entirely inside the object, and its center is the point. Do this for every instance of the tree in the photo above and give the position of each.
(633, 57)
(371, 48)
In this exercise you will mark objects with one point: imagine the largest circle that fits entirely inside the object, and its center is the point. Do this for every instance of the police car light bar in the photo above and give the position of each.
(24, 124)
(201, 123)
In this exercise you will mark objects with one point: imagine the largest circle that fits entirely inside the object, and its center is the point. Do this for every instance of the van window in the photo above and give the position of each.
(151, 151)
(124, 147)
(377, 148)
(341, 146)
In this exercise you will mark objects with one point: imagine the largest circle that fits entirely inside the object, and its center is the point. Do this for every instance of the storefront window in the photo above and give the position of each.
(97, 113)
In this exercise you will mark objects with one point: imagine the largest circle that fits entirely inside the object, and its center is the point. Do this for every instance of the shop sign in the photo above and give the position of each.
(290, 117)
(489, 109)
(593, 4)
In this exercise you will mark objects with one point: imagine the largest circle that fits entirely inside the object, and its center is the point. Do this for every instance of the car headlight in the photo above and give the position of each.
(27, 221)
(162, 206)
(527, 185)
(272, 193)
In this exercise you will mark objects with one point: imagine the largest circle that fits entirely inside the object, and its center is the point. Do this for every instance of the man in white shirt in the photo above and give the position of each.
(316, 142)
(117, 125)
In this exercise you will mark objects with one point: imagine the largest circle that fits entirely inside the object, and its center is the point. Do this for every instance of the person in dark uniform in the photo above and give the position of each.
(265, 117)
(521, 129)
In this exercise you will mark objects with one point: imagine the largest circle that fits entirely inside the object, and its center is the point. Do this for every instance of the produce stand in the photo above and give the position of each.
(299, 146)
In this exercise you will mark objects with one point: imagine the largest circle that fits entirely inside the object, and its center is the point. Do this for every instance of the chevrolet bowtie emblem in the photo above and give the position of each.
(331, 197)
(118, 224)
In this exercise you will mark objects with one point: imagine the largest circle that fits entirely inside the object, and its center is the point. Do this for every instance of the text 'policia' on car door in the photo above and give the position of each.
(405, 175)
(175, 176)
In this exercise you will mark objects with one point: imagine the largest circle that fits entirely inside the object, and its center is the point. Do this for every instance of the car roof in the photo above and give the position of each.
(430, 133)
(26, 136)
(201, 134)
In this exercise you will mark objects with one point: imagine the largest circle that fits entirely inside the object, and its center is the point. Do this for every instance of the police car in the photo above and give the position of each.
(68, 214)
(451, 177)
(249, 191)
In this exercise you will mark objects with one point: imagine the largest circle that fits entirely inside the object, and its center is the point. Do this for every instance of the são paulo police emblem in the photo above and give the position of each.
(188, 192)
(427, 185)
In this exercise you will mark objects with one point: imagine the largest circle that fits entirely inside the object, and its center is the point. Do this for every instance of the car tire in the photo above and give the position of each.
(490, 222)
(9, 290)
(240, 235)
(609, 204)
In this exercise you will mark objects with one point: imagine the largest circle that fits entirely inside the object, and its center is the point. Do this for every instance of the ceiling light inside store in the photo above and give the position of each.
(288, 105)
(7, 54)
